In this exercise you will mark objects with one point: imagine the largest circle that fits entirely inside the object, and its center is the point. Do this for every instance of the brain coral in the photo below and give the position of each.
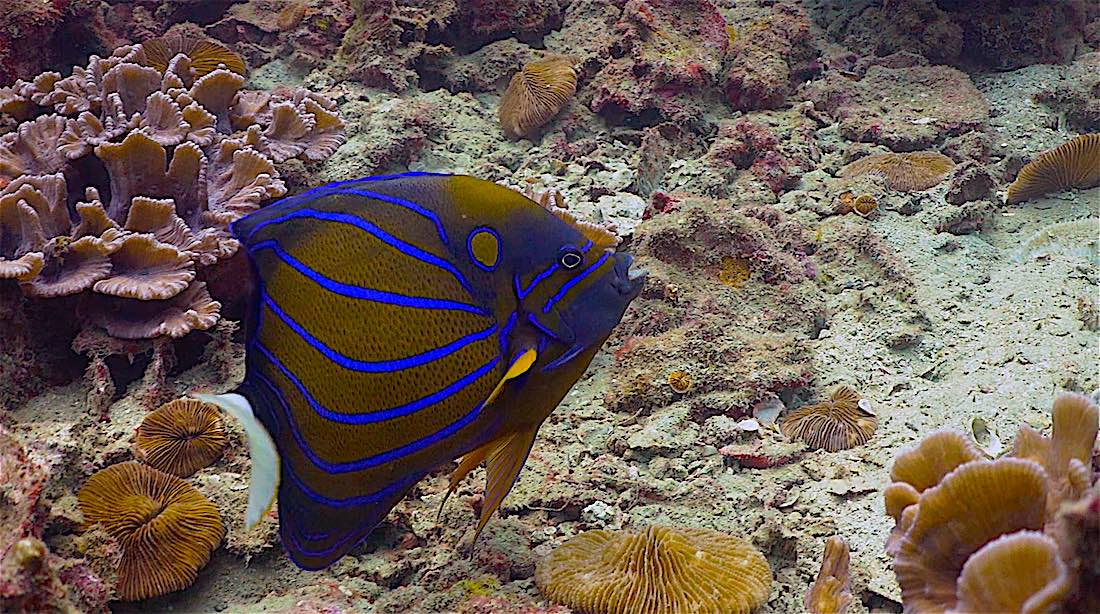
(659, 570)
(181, 437)
(1073, 164)
(164, 160)
(967, 535)
(166, 528)
(908, 172)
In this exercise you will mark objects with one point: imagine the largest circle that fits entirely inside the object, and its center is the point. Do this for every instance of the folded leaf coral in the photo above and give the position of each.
(183, 152)
(974, 535)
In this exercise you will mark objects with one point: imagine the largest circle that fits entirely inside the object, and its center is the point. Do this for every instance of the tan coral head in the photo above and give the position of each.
(659, 570)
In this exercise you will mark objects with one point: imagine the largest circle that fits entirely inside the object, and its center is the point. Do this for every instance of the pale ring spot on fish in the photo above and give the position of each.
(484, 248)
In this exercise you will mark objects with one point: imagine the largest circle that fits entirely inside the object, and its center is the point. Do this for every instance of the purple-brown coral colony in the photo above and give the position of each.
(870, 236)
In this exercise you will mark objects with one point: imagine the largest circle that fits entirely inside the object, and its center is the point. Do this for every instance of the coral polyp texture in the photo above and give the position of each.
(905, 172)
(181, 437)
(841, 422)
(177, 155)
(166, 528)
(659, 569)
(1073, 164)
(977, 535)
(535, 95)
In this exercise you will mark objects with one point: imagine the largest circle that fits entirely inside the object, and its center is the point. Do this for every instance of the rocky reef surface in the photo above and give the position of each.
(713, 136)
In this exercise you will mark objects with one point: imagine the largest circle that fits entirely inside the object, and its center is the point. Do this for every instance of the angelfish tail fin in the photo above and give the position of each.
(264, 480)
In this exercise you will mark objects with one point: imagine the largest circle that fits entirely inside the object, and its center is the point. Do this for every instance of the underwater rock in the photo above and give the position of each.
(670, 62)
(970, 181)
(770, 58)
(657, 570)
(1077, 94)
(729, 300)
(951, 506)
(303, 33)
(879, 107)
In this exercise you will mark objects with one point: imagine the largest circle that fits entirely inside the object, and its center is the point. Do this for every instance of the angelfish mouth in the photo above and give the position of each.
(628, 282)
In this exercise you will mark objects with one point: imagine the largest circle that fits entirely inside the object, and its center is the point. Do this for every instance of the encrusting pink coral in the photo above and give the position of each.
(183, 153)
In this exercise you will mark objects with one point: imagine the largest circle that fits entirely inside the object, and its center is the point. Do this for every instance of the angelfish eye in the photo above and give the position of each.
(570, 258)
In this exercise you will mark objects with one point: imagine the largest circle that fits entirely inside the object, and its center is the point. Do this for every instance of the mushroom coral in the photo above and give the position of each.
(178, 152)
(660, 569)
(978, 535)
(166, 528)
(535, 95)
(1073, 164)
(841, 422)
(905, 172)
(181, 437)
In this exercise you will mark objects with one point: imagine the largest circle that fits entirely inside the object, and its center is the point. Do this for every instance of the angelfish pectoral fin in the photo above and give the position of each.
(261, 449)
(502, 469)
(520, 365)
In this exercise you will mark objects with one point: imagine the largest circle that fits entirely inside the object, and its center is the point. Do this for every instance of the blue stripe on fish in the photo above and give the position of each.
(369, 461)
(380, 415)
(574, 281)
(353, 220)
(408, 204)
(506, 331)
(523, 293)
(539, 325)
(362, 293)
(381, 366)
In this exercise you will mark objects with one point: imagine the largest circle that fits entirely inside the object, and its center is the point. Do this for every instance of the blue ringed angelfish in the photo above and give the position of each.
(401, 322)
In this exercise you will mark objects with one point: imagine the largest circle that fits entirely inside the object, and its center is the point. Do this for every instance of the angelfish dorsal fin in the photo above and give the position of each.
(264, 480)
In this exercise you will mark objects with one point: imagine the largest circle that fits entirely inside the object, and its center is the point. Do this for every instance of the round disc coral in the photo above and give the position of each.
(659, 570)
(205, 54)
(166, 528)
(1073, 164)
(906, 172)
(536, 94)
(837, 424)
(181, 437)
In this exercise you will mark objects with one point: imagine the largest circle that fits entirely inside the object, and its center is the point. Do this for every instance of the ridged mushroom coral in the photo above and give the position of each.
(1073, 164)
(181, 437)
(177, 150)
(977, 535)
(535, 95)
(905, 172)
(167, 530)
(841, 422)
(660, 570)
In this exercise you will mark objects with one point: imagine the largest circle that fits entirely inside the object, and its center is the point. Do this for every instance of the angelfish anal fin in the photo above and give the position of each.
(502, 470)
(264, 481)
(473, 460)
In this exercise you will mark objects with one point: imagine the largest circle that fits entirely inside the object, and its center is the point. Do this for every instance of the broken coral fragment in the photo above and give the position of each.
(843, 421)
(831, 592)
(905, 172)
(658, 570)
(535, 95)
(1073, 164)
(166, 528)
(181, 437)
